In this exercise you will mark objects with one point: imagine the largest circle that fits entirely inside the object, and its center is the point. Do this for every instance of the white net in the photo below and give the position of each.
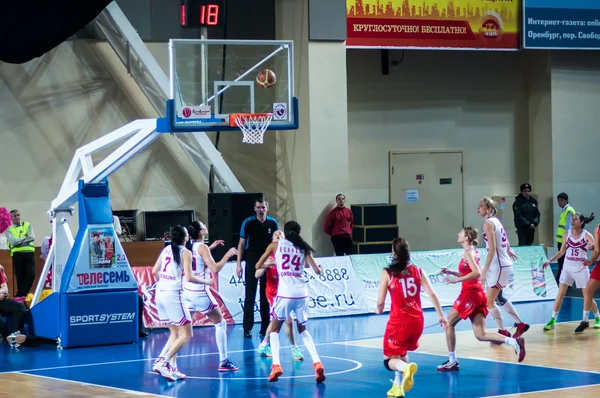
(253, 127)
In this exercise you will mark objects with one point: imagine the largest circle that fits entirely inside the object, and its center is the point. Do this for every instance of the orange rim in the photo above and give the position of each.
(234, 116)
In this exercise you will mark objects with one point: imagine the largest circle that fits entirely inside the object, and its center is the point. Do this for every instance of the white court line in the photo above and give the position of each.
(479, 359)
(357, 366)
(94, 385)
(542, 391)
(139, 360)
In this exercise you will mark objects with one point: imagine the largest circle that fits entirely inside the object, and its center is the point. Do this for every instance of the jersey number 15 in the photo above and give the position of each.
(409, 287)
(294, 260)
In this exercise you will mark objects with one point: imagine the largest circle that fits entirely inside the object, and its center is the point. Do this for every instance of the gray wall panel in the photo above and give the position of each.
(327, 20)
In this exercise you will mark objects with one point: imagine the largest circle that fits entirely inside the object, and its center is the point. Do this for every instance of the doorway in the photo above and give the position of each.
(427, 187)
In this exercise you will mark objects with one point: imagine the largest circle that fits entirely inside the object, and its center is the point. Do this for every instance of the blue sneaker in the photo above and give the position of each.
(227, 366)
(265, 350)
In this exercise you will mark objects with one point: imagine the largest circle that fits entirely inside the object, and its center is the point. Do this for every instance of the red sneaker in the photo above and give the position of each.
(520, 349)
(503, 332)
(521, 328)
(320, 372)
(276, 372)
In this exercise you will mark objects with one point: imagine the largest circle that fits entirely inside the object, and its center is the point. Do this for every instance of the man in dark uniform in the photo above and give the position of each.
(527, 215)
(255, 235)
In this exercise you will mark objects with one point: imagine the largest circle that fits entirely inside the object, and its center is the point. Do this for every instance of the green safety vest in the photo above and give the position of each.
(18, 233)
(562, 223)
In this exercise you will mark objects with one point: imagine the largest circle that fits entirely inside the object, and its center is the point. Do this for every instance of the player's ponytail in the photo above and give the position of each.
(491, 205)
(472, 234)
(177, 239)
(291, 229)
(194, 230)
(401, 255)
(585, 220)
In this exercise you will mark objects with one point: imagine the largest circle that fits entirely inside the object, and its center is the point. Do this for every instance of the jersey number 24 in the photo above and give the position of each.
(295, 261)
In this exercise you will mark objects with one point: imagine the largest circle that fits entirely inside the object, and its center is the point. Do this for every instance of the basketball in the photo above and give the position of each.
(266, 78)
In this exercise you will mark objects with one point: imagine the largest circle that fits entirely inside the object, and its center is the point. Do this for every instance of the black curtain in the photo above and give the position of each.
(31, 28)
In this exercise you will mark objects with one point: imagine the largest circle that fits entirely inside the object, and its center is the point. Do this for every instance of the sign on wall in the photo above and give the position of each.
(466, 24)
(559, 24)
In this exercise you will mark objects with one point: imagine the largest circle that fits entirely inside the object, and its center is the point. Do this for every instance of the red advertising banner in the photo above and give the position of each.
(460, 24)
(146, 288)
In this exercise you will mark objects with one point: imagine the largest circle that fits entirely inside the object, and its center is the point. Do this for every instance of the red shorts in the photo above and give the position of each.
(596, 272)
(470, 303)
(402, 336)
(271, 296)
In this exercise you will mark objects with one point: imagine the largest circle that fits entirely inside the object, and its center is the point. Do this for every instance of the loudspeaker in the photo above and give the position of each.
(375, 214)
(226, 213)
(159, 223)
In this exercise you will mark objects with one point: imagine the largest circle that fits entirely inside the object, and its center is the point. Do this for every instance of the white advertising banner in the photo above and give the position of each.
(529, 282)
(335, 292)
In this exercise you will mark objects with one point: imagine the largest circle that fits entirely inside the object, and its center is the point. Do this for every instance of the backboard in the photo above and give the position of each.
(213, 79)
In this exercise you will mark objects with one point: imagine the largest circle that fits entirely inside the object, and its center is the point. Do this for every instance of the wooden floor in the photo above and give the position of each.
(26, 385)
(560, 348)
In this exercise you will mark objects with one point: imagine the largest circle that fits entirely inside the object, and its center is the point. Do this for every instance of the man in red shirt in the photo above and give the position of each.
(13, 309)
(339, 225)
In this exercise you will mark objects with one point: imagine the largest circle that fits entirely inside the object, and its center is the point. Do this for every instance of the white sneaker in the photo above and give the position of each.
(16, 339)
(165, 370)
(178, 374)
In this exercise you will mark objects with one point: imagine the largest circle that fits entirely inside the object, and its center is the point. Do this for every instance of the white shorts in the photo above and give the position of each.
(283, 308)
(497, 277)
(203, 302)
(580, 277)
(169, 304)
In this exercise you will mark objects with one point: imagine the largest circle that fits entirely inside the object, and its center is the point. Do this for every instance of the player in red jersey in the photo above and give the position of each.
(404, 328)
(271, 292)
(472, 302)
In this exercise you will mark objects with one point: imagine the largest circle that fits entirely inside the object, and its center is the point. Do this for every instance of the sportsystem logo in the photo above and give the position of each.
(101, 319)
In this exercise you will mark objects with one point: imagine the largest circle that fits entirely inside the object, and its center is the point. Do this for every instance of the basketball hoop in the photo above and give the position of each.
(253, 125)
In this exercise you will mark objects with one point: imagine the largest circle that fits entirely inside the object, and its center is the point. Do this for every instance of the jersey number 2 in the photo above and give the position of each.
(409, 288)
(286, 262)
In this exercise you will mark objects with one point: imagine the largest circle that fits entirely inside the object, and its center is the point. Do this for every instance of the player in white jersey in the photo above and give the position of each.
(173, 267)
(271, 292)
(577, 243)
(291, 254)
(200, 298)
(498, 268)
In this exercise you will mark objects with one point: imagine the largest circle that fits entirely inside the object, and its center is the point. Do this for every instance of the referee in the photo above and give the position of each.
(255, 235)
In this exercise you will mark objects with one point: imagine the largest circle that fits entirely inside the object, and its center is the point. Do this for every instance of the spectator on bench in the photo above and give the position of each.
(15, 312)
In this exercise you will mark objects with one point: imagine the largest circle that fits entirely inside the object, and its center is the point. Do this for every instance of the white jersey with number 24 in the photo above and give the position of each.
(290, 267)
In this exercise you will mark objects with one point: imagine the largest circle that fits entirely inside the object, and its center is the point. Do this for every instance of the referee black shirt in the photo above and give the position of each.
(258, 235)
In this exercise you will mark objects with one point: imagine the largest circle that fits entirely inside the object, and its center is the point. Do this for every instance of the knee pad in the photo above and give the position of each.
(221, 325)
(386, 363)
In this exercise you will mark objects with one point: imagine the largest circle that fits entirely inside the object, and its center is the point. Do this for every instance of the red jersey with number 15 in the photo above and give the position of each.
(405, 292)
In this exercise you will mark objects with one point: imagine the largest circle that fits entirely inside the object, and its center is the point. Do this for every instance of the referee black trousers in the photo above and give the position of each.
(251, 286)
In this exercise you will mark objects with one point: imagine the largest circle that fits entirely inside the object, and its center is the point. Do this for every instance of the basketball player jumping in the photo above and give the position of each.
(577, 242)
(498, 267)
(271, 292)
(291, 254)
(405, 326)
(472, 302)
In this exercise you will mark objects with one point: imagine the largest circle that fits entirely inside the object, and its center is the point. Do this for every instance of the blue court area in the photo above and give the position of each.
(351, 369)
